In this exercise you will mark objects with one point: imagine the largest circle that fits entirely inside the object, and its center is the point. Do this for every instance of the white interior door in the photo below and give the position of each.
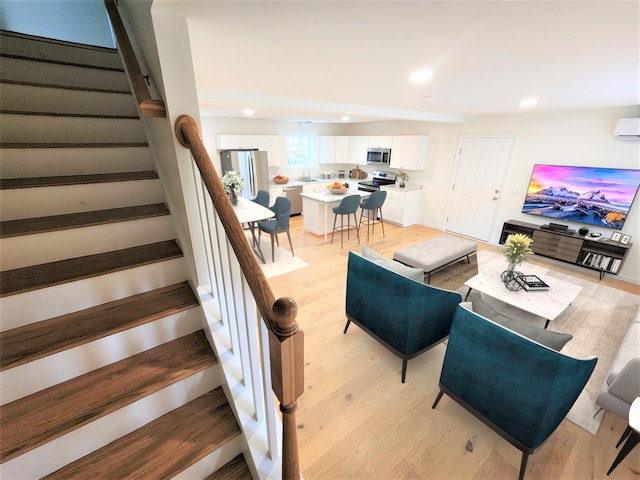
(481, 168)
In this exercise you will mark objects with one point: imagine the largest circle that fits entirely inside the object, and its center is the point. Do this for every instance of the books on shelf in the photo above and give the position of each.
(602, 262)
(531, 282)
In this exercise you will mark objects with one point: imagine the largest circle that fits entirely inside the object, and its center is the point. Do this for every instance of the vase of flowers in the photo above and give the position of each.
(233, 185)
(403, 178)
(517, 248)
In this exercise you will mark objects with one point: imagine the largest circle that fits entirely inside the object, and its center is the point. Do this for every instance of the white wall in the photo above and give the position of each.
(579, 137)
(79, 21)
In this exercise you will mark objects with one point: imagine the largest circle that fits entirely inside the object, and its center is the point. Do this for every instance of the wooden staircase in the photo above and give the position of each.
(105, 369)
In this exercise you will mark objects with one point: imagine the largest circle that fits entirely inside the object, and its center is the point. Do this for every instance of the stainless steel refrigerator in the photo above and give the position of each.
(252, 166)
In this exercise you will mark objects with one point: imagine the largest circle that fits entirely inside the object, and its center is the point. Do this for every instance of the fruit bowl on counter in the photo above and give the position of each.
(338, 188)
(280, 179)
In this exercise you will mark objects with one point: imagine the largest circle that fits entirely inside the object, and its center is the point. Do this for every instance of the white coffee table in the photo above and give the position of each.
(547, 304)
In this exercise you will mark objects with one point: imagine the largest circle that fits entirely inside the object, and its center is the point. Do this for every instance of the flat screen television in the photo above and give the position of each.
(591, 195)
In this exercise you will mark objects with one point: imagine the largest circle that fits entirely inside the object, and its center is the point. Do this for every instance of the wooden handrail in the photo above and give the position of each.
(148, 106)
(286, 339)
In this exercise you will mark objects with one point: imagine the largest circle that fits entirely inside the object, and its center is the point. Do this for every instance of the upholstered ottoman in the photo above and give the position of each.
(436, 253)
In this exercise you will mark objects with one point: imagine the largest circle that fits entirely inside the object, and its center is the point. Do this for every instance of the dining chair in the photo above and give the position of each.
(262, 198)
(282, 211)
(348, 206)
(373, 206)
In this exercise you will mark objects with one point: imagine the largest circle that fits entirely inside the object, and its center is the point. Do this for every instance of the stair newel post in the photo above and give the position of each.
(286, 346)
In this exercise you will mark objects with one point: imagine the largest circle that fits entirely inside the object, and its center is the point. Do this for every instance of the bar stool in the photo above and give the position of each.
(348, 206)
(373, 205)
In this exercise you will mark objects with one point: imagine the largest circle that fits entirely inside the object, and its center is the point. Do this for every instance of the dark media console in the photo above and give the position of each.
(602, 255)
(556, 227)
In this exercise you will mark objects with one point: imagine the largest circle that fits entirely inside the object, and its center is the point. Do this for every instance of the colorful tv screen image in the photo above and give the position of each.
(595, 196)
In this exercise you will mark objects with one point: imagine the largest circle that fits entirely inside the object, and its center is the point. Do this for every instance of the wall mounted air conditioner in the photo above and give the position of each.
(628, 129)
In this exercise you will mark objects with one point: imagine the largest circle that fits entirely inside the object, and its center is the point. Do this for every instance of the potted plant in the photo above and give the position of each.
(516, 248)
(233, 185)
(403, 178)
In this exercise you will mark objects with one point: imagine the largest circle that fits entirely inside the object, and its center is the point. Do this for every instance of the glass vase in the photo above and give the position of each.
(509, 279)
(233, 197)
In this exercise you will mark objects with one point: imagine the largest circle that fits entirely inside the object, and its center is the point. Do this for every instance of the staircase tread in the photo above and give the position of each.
(30, 226)
(62, 62)
(236, 469)
(70, 115)
(37, 340)
(54, 86)
(65, 180)
(74, 145)
(30, 278)
(163, 447)
(39, 418)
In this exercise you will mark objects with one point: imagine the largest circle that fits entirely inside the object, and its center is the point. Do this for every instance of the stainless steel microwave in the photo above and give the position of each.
(378, 156)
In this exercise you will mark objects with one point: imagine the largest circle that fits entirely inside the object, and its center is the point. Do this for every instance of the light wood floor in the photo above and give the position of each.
(357, 420)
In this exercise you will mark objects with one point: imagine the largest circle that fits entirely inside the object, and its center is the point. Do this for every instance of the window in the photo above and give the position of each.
(300, 150)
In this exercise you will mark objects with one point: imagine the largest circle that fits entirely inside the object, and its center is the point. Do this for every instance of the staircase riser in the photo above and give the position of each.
(28, 71)
(27, 98)
(27, 250)
(29, 307)
(19, 45)
(47, 162)
(50, 129)
(76, 444)
(60, 367)
(43, 201)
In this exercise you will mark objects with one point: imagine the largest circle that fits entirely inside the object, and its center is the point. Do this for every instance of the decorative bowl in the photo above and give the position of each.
(338, 188)
(281, 180)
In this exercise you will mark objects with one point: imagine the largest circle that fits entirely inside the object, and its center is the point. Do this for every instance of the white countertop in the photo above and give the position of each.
(408, 188)
(328, 197)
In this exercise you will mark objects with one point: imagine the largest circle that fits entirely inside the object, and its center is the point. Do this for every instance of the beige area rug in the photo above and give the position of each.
(598, 319)
(284, 262)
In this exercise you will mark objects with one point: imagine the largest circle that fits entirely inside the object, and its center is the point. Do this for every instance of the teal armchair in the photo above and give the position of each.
(518, 387)
(406, 316)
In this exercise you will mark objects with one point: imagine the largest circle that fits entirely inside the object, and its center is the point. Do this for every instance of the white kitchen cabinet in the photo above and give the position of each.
(276, 148)
(358, 150)
(342, 149)
(410, 152)
(401, 207)
(380, 141)
(231, 142)
(334, 149)
(275, 192)
(327, 149)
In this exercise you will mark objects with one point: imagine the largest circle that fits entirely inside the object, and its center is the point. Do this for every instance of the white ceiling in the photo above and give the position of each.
(317, 61)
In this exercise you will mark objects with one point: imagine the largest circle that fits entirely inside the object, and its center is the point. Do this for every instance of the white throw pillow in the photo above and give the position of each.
(415, 274)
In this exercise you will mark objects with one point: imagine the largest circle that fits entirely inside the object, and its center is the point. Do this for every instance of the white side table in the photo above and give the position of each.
(632, 432)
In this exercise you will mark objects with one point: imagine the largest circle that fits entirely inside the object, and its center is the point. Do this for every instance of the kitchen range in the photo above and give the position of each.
(378, 178)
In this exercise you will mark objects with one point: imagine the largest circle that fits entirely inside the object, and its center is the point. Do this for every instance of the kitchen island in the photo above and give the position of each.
(317, 210)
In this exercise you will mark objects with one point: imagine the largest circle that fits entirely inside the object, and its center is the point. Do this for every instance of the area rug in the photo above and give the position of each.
(284, 262)
(598, 319)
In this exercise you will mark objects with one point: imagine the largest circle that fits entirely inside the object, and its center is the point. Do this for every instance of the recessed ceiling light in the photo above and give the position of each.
(248, 112)
(420, 76)
(528, 102)
(345, 119)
